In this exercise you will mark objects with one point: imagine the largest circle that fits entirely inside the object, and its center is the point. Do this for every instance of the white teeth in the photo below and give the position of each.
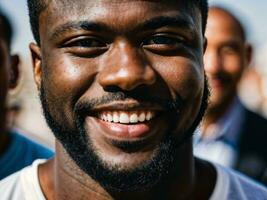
(148, 116)
(105, 118)
(134, 118)
(124, 118)
(116, 117)
(142, 117)
(110, 117)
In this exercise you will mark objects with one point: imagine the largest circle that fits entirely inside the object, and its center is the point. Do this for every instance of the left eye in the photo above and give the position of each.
(162, 40)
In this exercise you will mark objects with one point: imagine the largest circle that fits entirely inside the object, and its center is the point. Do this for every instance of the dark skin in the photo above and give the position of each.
(226, 57)
(8, 80)
(96, 50)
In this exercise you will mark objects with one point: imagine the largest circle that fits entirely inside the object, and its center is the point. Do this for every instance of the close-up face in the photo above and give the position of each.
(4, 77)
(124, 75)
(226, 56)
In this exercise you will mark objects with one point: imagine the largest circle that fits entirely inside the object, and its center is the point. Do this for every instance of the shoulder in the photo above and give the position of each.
(23, 184)
(11, 187)
(252, 142)
(254, 133)
(233, 185)
(254, 120)
(253, 137)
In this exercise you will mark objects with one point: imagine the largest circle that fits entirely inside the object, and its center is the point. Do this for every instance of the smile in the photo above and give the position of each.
(126, 117)
(125, 123)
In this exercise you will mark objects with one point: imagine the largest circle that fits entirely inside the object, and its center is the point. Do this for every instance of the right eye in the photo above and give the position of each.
(86, 43)
(85, 47)
(231, 49)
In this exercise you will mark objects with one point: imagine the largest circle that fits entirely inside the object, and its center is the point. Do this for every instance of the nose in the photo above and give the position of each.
(125, 67)
(213, 63)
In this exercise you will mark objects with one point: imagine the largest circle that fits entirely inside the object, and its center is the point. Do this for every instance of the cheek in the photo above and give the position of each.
(183, 77)
(186, 80)
(233, 66)
(65, 80)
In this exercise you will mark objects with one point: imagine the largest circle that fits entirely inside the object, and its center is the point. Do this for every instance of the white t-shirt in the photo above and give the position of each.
(230, 185)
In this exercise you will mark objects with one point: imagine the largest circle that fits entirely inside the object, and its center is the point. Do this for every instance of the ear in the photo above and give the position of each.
(36, 63)
(14, 71)
(249, 54)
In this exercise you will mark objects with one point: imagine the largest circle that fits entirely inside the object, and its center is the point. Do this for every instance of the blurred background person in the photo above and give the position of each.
(230, 134)
(16, 151)
(256, 79)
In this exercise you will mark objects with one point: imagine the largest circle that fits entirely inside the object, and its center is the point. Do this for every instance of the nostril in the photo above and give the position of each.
(127, 83)
(112, 88)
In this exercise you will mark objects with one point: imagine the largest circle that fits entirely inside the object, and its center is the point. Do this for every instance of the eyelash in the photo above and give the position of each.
(85, 43)
(164, 40)
(94, 46)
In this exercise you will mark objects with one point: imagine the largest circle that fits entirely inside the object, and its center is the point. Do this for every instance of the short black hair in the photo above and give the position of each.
(35, 7)
(6, 29)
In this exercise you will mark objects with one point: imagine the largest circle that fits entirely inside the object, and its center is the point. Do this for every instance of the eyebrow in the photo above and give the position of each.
(80, 25)
(151, 24)
(162, 21)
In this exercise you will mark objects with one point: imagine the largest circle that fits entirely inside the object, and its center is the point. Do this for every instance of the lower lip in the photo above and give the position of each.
(125, 131)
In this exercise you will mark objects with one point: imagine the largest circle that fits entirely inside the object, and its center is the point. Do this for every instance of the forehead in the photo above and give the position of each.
(222, 23)
(84, 5)
(116, 13)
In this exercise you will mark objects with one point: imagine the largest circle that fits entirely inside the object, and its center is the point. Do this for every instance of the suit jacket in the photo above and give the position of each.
(252, 147)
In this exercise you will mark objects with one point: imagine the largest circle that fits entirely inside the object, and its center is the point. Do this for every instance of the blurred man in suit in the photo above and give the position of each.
(230, 134)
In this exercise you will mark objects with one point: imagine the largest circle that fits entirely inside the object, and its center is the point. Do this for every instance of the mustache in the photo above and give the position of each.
(221, 75)
(170, 105)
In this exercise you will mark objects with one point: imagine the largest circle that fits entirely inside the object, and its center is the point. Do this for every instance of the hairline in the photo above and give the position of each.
(45, 4)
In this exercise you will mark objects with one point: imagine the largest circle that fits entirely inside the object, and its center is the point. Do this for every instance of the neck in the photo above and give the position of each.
(61, 178)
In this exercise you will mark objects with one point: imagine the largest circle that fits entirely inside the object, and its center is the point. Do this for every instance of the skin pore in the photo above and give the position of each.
(225, 59)
(96, 64)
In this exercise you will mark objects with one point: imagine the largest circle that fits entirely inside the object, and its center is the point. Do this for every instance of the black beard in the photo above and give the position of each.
(78, 145)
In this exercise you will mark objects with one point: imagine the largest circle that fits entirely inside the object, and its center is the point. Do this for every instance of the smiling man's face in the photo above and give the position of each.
(122, 84)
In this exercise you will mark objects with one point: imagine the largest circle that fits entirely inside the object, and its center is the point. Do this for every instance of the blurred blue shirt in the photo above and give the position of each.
(220, 145)
(20, 153)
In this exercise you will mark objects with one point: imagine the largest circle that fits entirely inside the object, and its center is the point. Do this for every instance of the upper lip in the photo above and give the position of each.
(127, 106)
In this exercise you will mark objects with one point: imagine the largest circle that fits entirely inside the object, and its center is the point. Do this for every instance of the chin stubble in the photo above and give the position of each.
(79, 146)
